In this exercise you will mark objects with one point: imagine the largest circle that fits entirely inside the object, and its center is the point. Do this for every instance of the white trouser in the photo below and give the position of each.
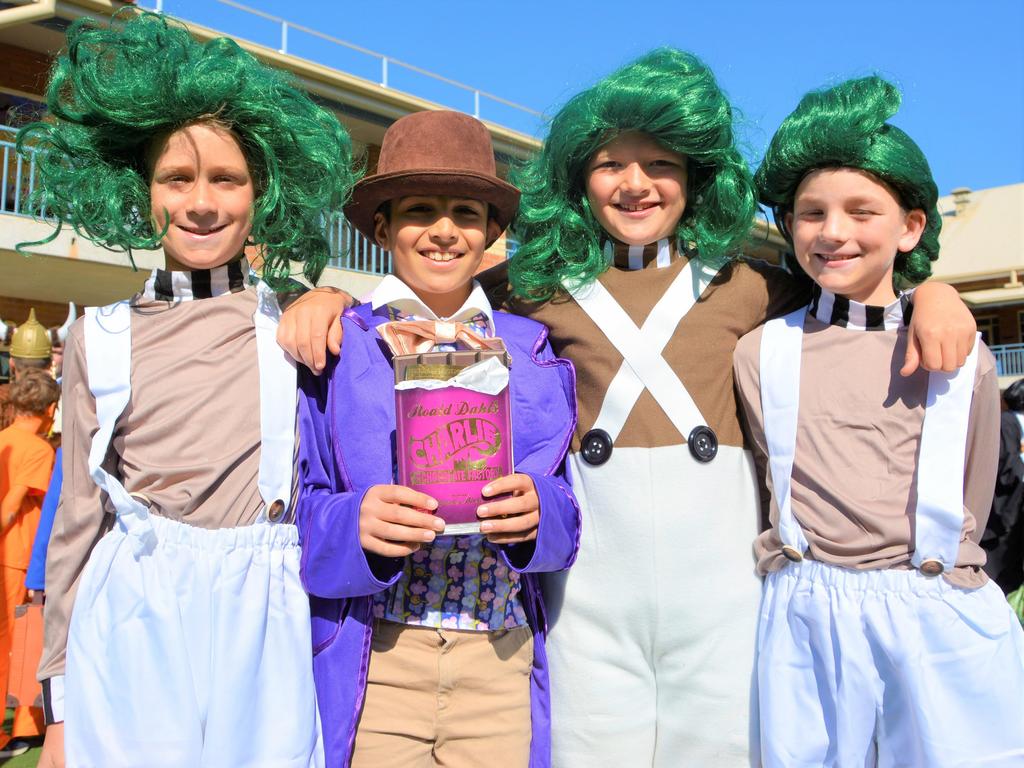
(888, 668)
(652, 631)
(194, 655)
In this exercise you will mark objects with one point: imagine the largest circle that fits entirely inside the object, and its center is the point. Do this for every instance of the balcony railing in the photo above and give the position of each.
(349, 249)
(308, 43)
(18, 177)
(1009, 359)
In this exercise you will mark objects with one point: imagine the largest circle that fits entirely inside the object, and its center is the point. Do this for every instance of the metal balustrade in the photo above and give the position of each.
(1009, 359)
(497, 109)
(17, 177)
(349, 249)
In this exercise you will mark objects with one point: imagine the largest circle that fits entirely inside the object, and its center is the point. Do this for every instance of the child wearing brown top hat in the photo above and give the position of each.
(444, 634)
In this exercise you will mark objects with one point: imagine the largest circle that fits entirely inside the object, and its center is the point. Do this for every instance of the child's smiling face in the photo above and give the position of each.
(200, 185)
(637, 188)
(437, 243)
(847, 228)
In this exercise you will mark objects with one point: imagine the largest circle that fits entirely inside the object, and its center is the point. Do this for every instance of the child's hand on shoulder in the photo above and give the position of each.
(512, 520)
(942, 330)
(309, 326)
(393, 523)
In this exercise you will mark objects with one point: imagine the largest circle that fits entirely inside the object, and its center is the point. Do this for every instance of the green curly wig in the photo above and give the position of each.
(845, 127)
(671, 96)
(119, 87)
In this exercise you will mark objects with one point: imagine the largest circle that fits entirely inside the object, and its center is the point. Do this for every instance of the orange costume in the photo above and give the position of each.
(25, 460)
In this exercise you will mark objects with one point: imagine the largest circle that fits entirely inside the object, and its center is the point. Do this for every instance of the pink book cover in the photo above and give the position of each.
(452, 440)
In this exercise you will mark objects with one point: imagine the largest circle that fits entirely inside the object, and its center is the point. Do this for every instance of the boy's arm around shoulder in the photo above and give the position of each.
(558, 533)
(942, 330)
(334, 564)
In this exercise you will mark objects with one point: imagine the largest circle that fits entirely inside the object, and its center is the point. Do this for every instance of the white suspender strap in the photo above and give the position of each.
(643, 366)
(940, 465)
(108, 355)
(781, 350)
(277, 407)
(939, 515)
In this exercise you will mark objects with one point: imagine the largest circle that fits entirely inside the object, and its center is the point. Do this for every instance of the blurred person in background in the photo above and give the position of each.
(1004, 535)
(33, 345)
(26, 460)
(30, 349)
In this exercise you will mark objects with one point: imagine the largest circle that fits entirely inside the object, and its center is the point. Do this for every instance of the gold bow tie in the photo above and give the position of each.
(413, 337)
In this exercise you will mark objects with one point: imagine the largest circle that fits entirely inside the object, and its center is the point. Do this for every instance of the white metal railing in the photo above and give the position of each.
(349, 249)
(17, 177)
(385, 63)
(1009, 359)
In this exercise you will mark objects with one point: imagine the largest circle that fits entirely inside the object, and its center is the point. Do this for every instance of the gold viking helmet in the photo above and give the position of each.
(31, 341)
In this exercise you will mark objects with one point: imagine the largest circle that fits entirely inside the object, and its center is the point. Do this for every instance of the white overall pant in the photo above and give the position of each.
(190, 648)
(884, 667)
(649, 668)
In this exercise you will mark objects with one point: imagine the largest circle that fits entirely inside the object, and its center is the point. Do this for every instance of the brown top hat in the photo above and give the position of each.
(433, 153)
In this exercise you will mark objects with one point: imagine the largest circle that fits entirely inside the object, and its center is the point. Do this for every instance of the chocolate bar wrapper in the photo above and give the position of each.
(453, 429)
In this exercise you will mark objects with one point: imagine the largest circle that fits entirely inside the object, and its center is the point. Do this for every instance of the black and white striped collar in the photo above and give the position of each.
(839, 310)
(164, 285)
(624, 256)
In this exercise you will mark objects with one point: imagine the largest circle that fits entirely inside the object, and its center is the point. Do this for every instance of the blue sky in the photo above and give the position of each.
(960, 64)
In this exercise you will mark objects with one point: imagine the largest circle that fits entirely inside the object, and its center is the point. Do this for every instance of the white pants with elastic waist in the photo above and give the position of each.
(887, 668)
(651, 632)
(194, 655)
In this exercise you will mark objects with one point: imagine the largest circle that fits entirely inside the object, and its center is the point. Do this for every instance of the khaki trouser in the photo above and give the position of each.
(442, 697)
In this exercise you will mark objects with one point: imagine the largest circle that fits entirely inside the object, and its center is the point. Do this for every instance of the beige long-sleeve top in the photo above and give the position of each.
(858, 434)
(188, 440)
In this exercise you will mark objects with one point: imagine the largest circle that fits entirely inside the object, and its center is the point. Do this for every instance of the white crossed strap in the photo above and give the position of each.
(108, 348)
(939, 514)
(643, 366)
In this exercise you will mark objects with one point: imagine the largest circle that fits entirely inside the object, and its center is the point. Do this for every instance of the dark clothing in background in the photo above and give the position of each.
(1004, 535)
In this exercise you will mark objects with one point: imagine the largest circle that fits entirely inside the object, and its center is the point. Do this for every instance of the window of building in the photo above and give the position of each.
(989, 327)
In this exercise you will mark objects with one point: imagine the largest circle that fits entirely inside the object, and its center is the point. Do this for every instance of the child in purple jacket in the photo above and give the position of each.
(429, 649)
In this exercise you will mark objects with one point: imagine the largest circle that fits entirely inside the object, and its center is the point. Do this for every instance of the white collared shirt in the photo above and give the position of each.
(393, 292)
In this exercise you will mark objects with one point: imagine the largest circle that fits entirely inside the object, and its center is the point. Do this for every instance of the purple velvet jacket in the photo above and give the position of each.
(347, 424)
